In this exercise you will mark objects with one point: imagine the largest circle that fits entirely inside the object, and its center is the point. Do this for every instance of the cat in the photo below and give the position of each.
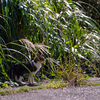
(19, 70)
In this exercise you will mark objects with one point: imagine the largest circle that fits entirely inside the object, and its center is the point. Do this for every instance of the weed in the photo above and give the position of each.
(62, 25)
(56, 85)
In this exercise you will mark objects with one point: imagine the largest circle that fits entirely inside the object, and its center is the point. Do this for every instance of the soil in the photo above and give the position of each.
(66, 93)
(75, 93)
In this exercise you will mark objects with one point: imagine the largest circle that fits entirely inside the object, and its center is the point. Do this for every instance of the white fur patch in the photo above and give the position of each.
(38, 66)
(20, 80)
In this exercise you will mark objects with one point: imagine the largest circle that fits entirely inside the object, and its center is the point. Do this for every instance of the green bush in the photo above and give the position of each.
(61, 25)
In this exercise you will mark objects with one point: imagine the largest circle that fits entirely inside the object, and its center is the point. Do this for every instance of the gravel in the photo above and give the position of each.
(66, 93)
(75, 93)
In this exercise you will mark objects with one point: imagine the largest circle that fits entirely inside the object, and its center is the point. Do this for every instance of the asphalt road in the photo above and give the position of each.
(75, 93)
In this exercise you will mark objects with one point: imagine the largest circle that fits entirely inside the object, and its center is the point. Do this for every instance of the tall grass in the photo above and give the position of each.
(61, 25)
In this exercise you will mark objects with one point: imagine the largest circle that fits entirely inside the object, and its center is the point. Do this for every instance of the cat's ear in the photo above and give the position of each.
(38, 54)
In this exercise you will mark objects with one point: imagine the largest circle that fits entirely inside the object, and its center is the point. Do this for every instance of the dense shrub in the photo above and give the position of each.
(61, 25)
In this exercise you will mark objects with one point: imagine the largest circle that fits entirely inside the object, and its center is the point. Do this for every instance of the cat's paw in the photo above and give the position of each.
(22, 83)
(33, 84)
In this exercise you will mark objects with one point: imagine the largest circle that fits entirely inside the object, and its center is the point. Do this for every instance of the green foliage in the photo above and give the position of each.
(6, 92)
(91, 7)
(27, 88)
(61, 25)
(56, 85)
(21, 89)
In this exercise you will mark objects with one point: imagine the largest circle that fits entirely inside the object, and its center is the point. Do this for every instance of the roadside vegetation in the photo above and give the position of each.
(31, 26)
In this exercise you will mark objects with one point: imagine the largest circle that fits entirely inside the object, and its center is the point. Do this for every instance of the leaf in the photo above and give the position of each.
(30, 46)
(2, 28)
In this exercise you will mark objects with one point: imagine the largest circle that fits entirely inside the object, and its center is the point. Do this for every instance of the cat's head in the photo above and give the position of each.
(39, 58)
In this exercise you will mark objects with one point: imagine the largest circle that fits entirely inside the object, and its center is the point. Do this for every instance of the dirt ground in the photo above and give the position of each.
(75, 93)
(66, 93)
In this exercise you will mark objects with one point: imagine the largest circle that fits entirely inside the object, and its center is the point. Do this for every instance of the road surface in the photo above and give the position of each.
(75, 93)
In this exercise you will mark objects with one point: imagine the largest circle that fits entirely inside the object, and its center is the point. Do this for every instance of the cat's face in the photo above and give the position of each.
(40, 58)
